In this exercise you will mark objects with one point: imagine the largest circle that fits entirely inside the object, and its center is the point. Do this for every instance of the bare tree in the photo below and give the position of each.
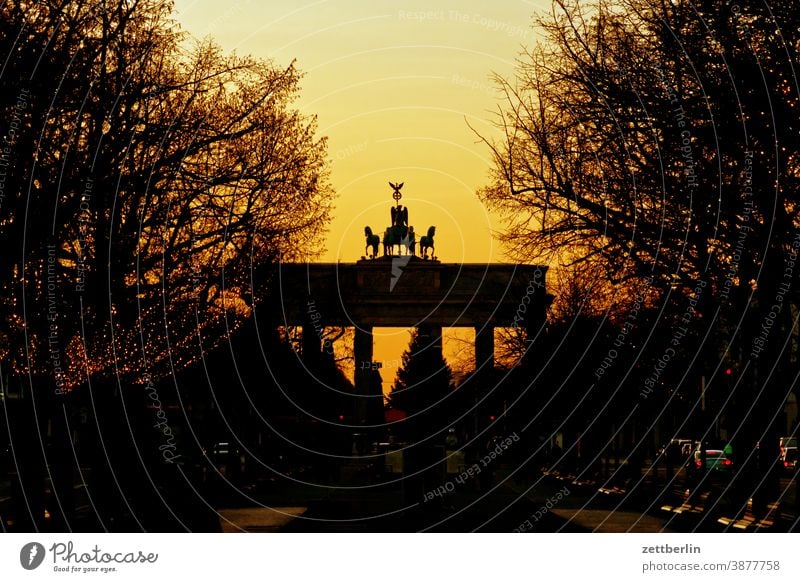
(148, 184)
(659, 141)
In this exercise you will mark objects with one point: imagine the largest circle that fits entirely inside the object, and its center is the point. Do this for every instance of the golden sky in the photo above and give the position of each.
(396, 87)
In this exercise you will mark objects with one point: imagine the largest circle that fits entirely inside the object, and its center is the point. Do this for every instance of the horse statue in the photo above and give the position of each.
(426, 242)
(410, 242)
(387, 241)
(394, 235)
(373, 240)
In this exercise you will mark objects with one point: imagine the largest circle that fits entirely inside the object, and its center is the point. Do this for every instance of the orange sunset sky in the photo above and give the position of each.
(395, 87)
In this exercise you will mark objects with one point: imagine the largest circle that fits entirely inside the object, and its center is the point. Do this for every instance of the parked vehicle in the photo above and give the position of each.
(789, 458)
(677, 450)
(5, 459)
(788, 443)
(716, 460)
(227, 458)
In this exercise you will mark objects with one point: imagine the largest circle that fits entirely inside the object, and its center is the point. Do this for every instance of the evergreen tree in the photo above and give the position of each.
(421, 386)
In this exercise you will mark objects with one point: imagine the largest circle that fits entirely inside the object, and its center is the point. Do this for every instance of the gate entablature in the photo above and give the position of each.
(444, 294)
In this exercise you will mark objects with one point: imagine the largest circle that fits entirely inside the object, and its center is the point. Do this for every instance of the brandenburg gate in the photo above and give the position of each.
(401, 289)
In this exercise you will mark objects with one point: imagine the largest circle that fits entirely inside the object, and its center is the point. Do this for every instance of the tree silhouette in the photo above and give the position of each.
(421, 386)
(145, 177)
(660, 139)
(143, 188)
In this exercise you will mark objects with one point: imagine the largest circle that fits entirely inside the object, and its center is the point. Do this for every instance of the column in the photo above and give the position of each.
(536, 324)
(484, 349)
(311, 344)
(362, 348)
(484, 365)
(427, 457)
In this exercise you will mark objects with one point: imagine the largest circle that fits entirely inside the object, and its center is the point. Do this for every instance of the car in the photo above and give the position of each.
(6, 459)
(787, 443)
(716, 460)
(789, 458)
(226, 457)
(676, 450)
